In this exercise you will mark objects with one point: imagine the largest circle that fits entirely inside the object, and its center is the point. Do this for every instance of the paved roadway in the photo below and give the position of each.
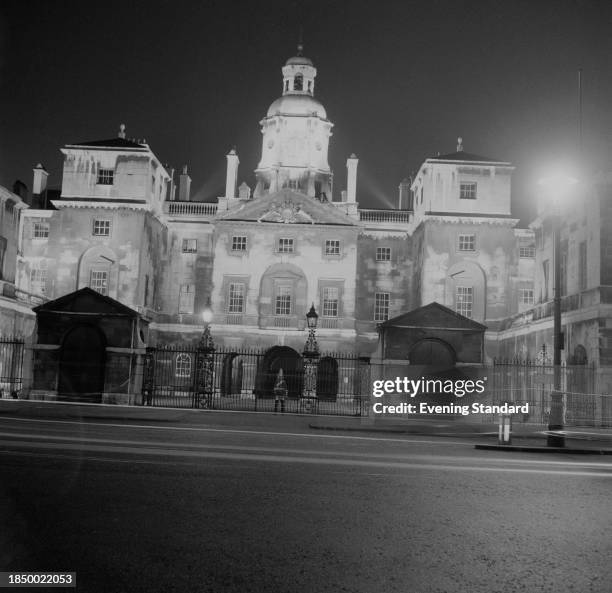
(161, 507)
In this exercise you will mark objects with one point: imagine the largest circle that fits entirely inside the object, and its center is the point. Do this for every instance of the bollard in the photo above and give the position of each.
(505, 429)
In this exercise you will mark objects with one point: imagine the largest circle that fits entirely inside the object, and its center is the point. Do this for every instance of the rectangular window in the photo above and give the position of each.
(383, 254)
(98, 281)
(40, 230)
(467, 191)
(38, 278)
(332, 247)
(582, 265)
(190, 245)
(330, 301)
(464, 300)
(283, 300)
(101, 228)
(526, 296)
(527, 252)
(239, 243)
(285, 245)
(236, 298)
(186, 298)
(467, 242)
(381, 306)
(106, 176)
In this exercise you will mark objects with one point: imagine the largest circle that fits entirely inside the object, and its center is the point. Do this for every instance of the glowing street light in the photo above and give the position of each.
(557, 186)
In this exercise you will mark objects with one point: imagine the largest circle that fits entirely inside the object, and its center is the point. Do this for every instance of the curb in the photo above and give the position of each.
(527, 449)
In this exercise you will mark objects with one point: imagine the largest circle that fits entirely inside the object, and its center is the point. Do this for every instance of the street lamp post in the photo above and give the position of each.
(311, 360)
(205, 362)
(557, 186)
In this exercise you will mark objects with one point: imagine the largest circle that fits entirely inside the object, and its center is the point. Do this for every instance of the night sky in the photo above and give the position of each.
(400, 81)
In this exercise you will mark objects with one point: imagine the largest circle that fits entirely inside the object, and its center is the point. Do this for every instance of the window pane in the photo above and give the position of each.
(467, 191)
(101, 227)
(106, 176)
(381, 306)
(239, 243)
(330, 301)
(40, 230)
(464, 300)
(467, 242)
(283, 300)
(332, 247)
(285, 245)
(190, 245)
(236, 298)
(183, 365)
(383, 254)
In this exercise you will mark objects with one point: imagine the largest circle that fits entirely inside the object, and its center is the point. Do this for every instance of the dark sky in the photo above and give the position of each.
(400, 81)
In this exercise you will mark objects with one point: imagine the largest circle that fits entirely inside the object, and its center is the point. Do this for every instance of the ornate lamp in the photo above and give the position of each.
(205, 362)
(311, 347)
(206, 342)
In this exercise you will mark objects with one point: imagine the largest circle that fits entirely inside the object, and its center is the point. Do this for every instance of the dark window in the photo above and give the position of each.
(467, 191)
(106, 176)
(190, 245)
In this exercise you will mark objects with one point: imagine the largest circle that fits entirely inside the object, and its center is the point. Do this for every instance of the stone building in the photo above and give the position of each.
(260, 258)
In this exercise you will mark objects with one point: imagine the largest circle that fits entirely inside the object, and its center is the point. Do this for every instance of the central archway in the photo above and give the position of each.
(82, 364)
(280, 357)
(431, 352)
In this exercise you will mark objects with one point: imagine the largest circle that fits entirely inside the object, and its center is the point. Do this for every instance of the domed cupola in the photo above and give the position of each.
(296, 135)
(299, 75)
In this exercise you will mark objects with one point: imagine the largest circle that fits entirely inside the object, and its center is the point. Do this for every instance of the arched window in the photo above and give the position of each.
(182, 366)
(298, 83)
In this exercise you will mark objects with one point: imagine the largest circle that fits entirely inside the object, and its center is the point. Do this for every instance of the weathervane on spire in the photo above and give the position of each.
(300, 45)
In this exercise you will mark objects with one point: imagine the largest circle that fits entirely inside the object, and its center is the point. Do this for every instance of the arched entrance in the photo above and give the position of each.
(280, 357)
(432, 353)
(82, 364)
(327, 379)
(434, 359)
(233, 370)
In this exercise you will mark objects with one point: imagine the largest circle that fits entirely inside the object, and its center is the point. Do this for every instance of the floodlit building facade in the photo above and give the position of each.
(259, 257)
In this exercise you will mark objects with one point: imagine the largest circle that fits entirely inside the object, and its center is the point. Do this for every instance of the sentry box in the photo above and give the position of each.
(505, 429)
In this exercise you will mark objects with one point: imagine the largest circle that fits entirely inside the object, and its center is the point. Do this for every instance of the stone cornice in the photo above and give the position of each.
(95, 204)
(470, 219)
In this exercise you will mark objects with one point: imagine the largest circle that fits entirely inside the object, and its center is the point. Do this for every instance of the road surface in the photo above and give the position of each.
(142, 506)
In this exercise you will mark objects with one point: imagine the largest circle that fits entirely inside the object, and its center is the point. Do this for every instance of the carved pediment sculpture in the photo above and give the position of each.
(287, 212)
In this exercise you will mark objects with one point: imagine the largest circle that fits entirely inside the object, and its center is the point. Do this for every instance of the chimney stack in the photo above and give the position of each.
(405, 195)
(39, 183)
(184, 186)
(232, 174)
(351, 178)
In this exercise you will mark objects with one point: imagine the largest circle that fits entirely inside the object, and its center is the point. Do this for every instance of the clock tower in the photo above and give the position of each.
(295, 135)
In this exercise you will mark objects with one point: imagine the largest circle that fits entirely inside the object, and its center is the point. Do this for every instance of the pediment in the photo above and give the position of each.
(433, 316)
(287, 207)
(86, 300)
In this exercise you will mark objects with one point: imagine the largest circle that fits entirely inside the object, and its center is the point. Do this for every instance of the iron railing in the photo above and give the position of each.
(11, 367)
(244, 380)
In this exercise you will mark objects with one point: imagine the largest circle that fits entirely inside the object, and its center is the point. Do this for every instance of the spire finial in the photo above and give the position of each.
(300, 45)
(121, 133)
(460, 144)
